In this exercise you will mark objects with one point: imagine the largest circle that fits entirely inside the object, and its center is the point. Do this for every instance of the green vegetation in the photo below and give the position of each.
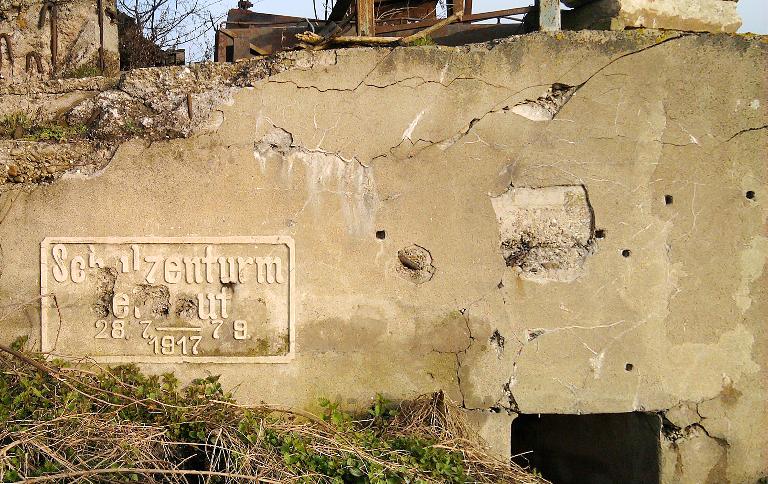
(423, 41)
(83, 70)
(132, 128)
(19, 125)
(59, 423)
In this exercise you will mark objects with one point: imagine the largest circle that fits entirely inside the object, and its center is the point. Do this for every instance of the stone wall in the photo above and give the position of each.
(29, 54)
(688, 15)
(568, 223)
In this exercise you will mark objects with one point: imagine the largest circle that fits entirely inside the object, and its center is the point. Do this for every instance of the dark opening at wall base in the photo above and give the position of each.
(590, 449)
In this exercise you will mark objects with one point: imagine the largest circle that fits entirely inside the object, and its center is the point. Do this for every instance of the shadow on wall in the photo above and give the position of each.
(590, 449)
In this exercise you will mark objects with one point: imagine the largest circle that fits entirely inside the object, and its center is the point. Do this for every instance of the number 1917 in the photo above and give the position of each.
(167, 345)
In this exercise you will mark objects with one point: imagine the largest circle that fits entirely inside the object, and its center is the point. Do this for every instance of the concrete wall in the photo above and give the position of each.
(688, 15)
(567, 223)
(77, 42)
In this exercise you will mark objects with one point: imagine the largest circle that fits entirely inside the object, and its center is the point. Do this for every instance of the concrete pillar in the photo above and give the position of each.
(549, 15)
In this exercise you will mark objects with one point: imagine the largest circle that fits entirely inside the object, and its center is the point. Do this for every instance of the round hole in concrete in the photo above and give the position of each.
(381, 234)
(626, 252)
(750, 194)
(629, 367)
(599, 234)
(415, 264)
(668, 199)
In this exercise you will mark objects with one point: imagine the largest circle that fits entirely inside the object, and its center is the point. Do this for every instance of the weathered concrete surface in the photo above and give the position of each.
(77, 46)
(687, 15)
(668, 305)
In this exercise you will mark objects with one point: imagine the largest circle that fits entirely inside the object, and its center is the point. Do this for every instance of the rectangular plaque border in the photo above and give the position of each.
(287, 240)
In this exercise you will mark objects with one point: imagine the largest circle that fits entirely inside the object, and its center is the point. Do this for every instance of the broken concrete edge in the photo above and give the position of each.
(685, 438)
(163, 103)
(694, 16)
(152, 104)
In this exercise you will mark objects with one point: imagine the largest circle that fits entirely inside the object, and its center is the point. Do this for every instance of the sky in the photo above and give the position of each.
(754, 13)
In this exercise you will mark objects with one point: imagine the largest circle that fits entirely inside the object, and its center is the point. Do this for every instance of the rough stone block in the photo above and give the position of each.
(687, 15)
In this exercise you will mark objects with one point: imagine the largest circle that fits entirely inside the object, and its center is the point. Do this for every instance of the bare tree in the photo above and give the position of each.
(167, 24)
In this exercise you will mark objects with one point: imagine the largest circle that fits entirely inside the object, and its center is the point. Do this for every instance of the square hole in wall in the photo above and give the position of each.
(590, 449)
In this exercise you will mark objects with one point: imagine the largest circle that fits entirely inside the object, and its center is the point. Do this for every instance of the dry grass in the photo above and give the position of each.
(63, 424)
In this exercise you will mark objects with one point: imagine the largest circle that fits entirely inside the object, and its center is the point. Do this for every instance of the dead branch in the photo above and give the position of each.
(136, 470)
(427, 31)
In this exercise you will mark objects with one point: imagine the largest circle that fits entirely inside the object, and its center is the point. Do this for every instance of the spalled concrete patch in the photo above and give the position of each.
(546, 107)
(153, 299)
(105, 290)
(27, 162)
(546, 233)
(690, 454)
(415, 264)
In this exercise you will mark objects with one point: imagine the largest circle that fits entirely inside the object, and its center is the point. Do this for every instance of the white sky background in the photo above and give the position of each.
(754, 13)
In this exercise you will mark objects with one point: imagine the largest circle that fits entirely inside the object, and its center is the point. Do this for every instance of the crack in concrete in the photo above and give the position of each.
(747, 130)
(674, 433)
(332, 89)
(628, 54)
(458, 363)
(292, 147)
(362, 83)
(451, 140)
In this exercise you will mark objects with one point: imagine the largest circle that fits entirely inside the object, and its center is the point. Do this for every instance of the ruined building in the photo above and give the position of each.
(247, 34)
(41, 40)
(564, 231)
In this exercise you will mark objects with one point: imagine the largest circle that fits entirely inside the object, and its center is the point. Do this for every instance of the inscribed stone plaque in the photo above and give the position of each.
(169, 300)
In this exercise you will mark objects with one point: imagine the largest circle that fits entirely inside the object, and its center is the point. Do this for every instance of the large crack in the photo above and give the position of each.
(281, 141)
(746, 130)
(457, 355)
(502, 105)
(679, 36)
(404, 80)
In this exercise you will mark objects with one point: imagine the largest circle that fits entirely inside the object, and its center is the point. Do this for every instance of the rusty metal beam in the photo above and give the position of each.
(366, 18)
(339, 10)
(100, 6)
(475, 17)
(54, 38)
(455, 6)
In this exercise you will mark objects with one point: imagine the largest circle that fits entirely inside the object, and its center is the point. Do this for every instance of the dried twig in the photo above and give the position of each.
(97, 443)
(136, 470)
(433, 28)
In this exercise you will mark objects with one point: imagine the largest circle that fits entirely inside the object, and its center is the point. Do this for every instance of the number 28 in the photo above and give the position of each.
(117, 330)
